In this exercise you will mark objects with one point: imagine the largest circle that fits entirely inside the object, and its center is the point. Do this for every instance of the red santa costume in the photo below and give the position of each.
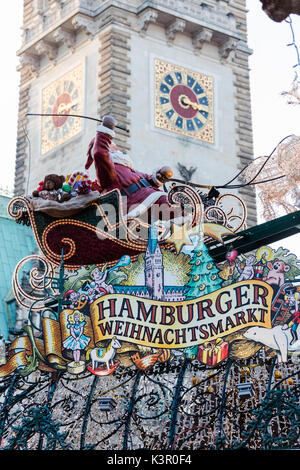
(114, 170)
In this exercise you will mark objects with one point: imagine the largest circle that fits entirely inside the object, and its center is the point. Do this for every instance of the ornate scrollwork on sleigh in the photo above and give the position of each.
(101, 233)
(227, 209)
(38, 281)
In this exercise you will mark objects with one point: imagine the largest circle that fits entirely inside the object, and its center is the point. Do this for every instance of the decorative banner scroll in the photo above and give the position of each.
(147, 322)
(26, 354)
(45, 353)
(182, 324)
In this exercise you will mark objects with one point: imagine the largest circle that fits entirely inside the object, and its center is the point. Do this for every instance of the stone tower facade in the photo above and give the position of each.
(174, 73)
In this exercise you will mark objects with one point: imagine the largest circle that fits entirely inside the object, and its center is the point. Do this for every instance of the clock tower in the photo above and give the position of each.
(174, 73)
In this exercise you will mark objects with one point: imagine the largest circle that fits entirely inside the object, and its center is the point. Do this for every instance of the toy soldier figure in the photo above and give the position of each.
(294, 320)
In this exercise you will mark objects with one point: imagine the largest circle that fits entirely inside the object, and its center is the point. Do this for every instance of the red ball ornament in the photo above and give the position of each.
(231, 255)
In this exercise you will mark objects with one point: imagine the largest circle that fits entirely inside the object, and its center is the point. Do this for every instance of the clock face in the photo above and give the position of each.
(63, 97)
(183, 101)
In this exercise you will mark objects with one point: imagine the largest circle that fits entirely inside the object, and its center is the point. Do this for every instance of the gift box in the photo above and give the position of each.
(213, 352)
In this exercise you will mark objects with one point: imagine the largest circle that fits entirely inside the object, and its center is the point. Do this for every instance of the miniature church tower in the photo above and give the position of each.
(154, 273)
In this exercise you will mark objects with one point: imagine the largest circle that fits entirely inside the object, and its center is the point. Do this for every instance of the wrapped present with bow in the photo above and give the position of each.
(213, 352)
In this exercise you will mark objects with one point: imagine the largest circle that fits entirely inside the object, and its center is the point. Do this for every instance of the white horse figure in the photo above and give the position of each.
(104, 355)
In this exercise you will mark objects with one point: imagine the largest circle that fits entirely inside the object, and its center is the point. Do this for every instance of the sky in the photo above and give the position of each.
(271, 72)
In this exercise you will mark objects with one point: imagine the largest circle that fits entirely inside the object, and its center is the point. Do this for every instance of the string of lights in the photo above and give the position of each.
(294, 44)
(293, 95)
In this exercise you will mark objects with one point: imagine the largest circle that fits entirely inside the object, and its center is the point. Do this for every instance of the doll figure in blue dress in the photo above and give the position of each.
(77, 339)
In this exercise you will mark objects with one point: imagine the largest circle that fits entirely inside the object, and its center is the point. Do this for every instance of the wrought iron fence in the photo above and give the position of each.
(181, 405)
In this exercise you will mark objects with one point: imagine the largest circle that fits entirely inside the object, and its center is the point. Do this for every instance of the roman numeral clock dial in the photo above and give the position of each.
(183, 101)
(63, 97)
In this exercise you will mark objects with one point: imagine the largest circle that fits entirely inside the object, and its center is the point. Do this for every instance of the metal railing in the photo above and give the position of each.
(177, 405)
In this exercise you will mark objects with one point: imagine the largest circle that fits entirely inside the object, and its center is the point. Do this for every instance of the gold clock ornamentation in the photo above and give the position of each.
(64, 96)
(184, 101)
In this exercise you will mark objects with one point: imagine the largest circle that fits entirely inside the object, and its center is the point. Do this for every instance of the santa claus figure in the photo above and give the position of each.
(114, 170)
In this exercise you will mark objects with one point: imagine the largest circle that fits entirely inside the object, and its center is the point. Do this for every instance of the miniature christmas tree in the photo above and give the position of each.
(204, 275)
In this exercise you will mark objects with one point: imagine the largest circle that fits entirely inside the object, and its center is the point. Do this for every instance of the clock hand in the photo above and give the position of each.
(184, 100)
(188, 102)
(63, 108)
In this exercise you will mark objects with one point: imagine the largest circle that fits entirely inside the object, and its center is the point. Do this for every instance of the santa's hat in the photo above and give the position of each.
(68, 293)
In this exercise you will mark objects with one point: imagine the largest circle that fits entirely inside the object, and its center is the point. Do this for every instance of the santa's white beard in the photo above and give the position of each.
(121, 158)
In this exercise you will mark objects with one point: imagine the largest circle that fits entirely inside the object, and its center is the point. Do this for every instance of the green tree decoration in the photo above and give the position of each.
(204, 275)
(37, 420)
